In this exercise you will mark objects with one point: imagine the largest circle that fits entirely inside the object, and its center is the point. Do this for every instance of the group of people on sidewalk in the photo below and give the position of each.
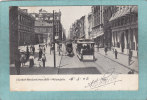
(27, 55)
(42, 57)
(116, 53)
(22, 57)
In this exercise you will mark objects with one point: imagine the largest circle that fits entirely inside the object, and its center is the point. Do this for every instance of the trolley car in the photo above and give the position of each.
(85, 50)
(69, 49)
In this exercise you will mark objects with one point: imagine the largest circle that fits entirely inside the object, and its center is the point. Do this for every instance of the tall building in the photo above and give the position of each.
(63, 35)
(124, 25)
(97, 25)
(70, 33)
(21, 26)
(76, 29)
(90, 24)
(108, 11)
(43, 31)
(25, 27)
(82, 27)
(13, 32)
(43, 15)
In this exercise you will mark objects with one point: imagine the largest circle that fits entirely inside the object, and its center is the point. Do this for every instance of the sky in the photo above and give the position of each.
(69, 14)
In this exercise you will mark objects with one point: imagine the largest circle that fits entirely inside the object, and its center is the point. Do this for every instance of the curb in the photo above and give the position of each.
(118, 62)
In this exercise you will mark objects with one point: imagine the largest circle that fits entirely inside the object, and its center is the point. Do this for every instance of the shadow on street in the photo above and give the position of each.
(51, 70)
(86, 70)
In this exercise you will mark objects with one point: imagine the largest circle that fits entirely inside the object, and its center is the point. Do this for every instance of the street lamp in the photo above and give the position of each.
(54, 42)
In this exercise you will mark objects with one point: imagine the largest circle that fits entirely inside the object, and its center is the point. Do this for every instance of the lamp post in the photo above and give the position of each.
(54, 42)
(129, 52)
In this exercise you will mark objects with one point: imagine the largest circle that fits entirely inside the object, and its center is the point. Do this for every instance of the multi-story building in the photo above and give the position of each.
(43, 31)
(71, 33)
(48, 17)
(90, 24)
(63, 35)
(21, 29)
(97, 25)
(82, 27)
(25, 27)
(124, 25)
(13, 32)
(76, 29)
(108, 11)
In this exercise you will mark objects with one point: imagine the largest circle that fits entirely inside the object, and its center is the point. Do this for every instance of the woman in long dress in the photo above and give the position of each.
(31, 58)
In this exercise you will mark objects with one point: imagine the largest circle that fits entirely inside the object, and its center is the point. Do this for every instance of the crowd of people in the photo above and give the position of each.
(28, 56)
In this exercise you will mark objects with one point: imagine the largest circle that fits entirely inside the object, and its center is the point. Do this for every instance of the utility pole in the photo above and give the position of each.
(130, 44)
(54, 42)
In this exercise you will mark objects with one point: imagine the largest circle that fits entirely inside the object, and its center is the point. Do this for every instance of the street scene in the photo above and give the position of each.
(73, 40)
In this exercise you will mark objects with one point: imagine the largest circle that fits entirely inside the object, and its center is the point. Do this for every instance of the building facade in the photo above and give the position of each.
(124, 25)
(43, 31)
(13, 32)
(90, 24)
(21, 26)
(25, 28)
(97, 25)
(43, 15)
(108, 11)
(82, 27)
(78, 29)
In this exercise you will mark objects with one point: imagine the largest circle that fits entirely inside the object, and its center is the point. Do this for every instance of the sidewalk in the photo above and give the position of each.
(49, 65)
(121, 59)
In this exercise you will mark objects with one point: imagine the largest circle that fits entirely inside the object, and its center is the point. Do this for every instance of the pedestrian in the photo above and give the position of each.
(105, 50)
(116, 54)
(44, 49)
(27, 53)
(98, 47)
(31, 59)
(23, 59)
(51, 48)
(59, 49)
(130, 56)
(43, 60)
(113, 49)
(39, 62)
(17, 62)
(33, 49)
(40, 54)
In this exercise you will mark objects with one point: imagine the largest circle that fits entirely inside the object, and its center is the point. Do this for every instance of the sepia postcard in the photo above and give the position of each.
(73, 48)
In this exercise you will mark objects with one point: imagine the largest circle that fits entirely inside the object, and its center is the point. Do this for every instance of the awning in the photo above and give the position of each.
(120, 13)
(98, 34)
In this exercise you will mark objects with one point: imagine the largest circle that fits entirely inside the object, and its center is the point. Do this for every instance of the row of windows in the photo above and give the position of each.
(21, 27)
(25, 21)
(23, 37)
(124, 21)
(44, 30)
(57, 28)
